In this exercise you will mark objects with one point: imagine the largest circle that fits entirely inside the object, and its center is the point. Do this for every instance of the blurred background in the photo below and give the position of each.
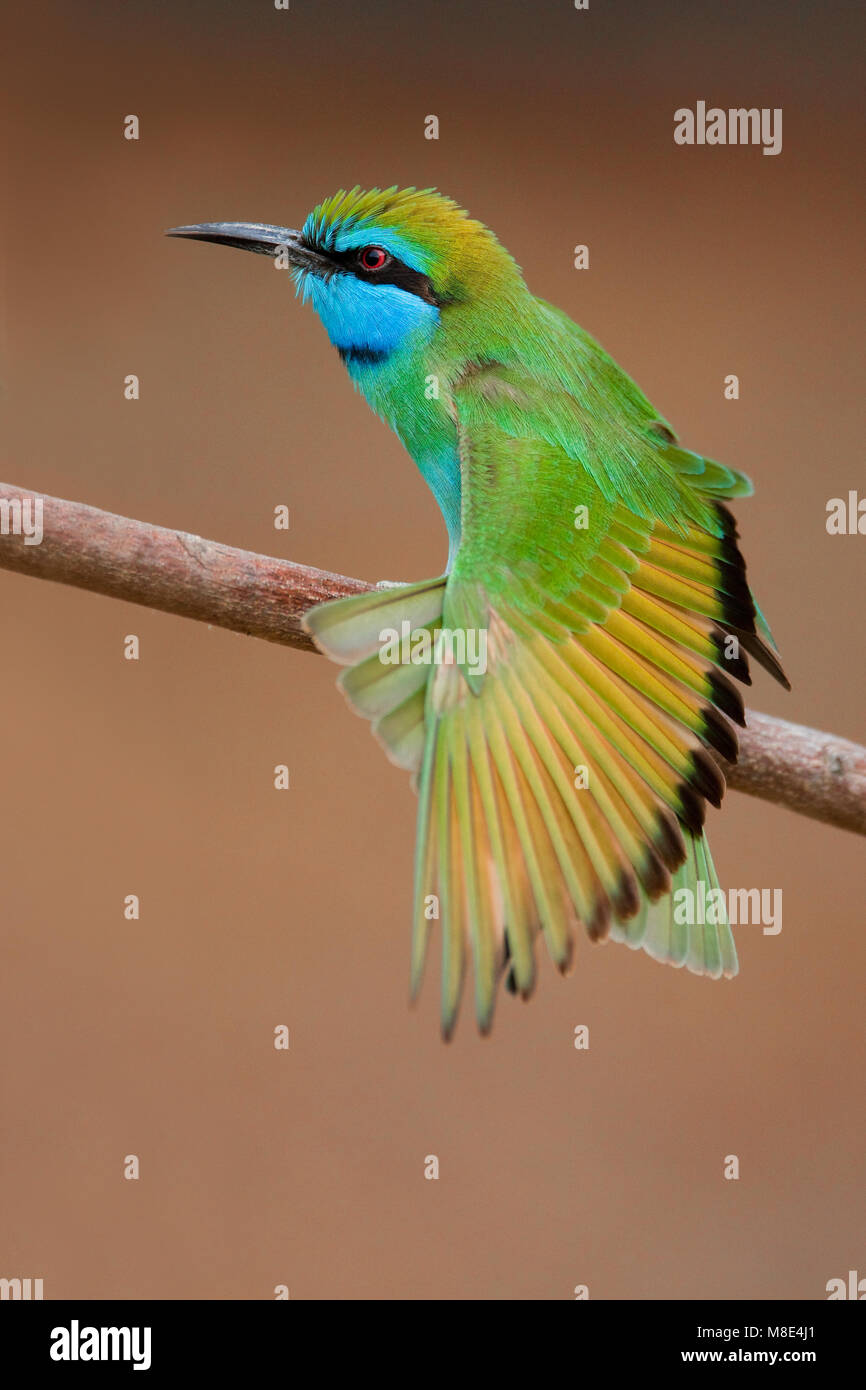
(259, 908)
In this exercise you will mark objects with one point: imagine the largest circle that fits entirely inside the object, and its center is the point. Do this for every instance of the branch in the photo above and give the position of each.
(170, 570)
(812, 773)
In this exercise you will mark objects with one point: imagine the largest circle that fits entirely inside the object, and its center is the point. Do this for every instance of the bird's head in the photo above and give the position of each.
(382, 268)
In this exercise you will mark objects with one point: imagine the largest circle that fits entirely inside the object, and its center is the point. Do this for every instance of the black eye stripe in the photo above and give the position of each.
(393, 273)
(404, 277)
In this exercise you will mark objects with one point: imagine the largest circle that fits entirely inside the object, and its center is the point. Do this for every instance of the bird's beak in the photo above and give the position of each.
(261, 237)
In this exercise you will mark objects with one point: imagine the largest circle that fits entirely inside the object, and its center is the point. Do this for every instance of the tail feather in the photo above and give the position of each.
(350, 629)
(670, 930)
(391, 693)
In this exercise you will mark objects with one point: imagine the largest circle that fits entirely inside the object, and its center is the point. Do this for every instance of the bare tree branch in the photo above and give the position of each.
(812, 773)
(170, 570)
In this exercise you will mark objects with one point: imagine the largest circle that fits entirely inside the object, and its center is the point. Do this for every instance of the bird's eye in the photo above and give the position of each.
(374, 258)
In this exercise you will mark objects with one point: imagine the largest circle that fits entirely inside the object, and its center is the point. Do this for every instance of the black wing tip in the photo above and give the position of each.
(655, 877)
(730, 530)
(719, 734)
(692, 808)
(709, 780)
(735, 664)
(626, 898)
(763, 653)
(727, 698)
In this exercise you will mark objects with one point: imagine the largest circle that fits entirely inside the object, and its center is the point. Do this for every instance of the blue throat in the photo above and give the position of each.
(367, 323)
(381, 333)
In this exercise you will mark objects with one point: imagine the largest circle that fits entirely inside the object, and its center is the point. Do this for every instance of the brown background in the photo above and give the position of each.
(155, 1038)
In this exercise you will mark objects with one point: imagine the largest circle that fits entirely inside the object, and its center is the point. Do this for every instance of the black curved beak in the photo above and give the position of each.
(261, 237)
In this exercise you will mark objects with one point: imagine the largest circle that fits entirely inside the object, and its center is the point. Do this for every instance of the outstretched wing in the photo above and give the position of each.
(563, 780)
(568, 782)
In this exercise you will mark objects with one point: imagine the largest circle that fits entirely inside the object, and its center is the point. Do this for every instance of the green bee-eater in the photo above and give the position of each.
(562, 778)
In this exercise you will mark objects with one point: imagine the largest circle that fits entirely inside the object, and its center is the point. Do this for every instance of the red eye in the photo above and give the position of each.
(374, 258)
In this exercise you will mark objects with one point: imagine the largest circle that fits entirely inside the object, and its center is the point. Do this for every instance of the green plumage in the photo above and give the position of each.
(601, 562)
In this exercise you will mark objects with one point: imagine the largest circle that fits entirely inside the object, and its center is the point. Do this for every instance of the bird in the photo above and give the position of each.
(563, 780)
